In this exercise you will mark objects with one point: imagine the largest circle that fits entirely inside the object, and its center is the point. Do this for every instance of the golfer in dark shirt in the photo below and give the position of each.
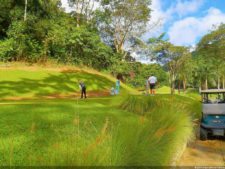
(83, 90)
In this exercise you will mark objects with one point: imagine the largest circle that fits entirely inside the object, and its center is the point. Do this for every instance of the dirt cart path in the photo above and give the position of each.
(204, 153)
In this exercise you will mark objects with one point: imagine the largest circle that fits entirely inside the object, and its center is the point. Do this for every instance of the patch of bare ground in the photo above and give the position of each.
(91, 94)
(204, 153)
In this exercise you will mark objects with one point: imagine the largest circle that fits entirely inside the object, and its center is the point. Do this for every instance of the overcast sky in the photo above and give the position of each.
(184, 21)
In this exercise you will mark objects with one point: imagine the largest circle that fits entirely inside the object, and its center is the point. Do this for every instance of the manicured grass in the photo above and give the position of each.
(163, 90)
(191, 93)
(114, 131)
(42, 82)
(36, 82)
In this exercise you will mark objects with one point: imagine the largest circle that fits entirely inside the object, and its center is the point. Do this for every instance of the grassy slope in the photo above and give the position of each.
(36, 82)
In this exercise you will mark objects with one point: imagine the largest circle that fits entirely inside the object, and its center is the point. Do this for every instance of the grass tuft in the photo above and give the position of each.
(123, 131)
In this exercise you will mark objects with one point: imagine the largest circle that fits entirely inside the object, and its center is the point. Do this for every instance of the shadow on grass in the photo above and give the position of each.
(63, 83)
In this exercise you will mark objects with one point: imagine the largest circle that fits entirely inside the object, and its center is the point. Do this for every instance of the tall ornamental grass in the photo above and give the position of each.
(134, 131)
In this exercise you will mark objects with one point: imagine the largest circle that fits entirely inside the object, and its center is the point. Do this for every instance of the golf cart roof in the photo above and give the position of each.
(212, 91)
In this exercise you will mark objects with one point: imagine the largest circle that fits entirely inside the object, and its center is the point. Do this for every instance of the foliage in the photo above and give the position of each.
(175, 58)
(145, 72)
(211, 60)
(120, 20)
(6, 48)
(149, 48)
(50, 33)
(213, 44)
(136, 74)
(186, 71)
(83, 10)
(24, 46)
(78, 45)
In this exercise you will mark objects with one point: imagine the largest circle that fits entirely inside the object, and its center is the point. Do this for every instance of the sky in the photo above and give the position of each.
(185, 22)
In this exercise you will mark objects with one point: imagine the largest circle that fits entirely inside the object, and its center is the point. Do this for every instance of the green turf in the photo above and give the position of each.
(163, 90)
(190, 93)
(25, 83)
(102, 131)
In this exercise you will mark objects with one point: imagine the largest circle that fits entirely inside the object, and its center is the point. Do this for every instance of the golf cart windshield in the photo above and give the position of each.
(213, 96)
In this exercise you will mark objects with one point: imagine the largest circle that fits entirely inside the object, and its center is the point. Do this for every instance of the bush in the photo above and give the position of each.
(136, 74)
(6, 49)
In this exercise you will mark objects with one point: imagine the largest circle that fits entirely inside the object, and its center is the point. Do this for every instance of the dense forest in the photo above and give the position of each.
(103, 34)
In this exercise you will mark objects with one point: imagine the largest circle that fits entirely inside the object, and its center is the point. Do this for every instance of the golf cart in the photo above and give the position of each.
(213, 113)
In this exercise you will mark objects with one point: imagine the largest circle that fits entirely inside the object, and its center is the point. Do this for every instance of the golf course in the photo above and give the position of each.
(130, 129)
(112, 83)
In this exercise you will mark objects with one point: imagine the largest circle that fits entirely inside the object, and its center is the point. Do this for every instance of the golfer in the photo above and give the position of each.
(152, 80)
(117, 86)
(82, 89)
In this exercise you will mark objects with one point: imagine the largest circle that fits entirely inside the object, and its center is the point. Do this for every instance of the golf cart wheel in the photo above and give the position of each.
(203, 134)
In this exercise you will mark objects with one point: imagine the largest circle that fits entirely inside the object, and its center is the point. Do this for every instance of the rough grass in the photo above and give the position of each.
(169, 124)
(133, 131)
(54, 132)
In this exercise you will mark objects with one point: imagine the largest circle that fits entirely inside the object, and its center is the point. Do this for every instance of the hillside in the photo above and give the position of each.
(30, 82)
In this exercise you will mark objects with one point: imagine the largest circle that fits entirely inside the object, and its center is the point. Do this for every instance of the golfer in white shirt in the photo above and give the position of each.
(152, 80)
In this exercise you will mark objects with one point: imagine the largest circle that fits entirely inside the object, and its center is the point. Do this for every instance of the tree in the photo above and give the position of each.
(174, 57)
(6, 48)
(147, 48)
(119, 20)
(5, 17)
(203, 70)
(83, 10)
(186, 70)
(211, 49)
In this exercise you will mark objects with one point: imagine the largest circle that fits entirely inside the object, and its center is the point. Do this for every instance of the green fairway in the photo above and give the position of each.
(22, 83)
(190, 93)
(102, 131)
(25, 83)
